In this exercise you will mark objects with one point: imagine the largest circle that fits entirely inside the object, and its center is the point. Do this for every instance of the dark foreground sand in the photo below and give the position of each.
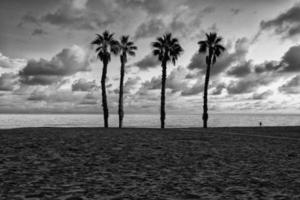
(93, 163)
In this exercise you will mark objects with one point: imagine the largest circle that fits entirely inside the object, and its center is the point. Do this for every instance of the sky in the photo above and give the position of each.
(47, 63)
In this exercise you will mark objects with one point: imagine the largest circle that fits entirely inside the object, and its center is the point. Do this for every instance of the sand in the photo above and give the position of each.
(94, 163)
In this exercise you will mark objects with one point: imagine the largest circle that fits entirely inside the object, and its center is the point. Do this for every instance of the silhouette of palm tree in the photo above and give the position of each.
(167, 49)
(106, 44)
(125, 47)
(212, 47)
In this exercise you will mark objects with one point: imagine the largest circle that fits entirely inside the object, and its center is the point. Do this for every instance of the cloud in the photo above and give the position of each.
(39, 79)
(268, 66)
(39, 32)
(149, 61)
(8, 81)
(218, 89)
(263, 95)
(11, 63)
(151, 7)
(176, 79)
(129, 85)
(286, 24)
(292, 86)
(197, 88)
(208, 9)
(43, 72)
(153, 84)
(183, 23)
(54, 96)
(235, 11)
(240, 70)
(248, 84)
(73, 14)
(150, 28)
(291, 60)
(90, 99)
(83, 85)
(37, 96)
(29, 18)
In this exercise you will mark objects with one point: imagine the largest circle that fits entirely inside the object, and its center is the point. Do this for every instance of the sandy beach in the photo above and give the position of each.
(95, 163)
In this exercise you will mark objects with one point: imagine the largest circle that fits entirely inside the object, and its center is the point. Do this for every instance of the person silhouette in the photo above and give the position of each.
(260, 123)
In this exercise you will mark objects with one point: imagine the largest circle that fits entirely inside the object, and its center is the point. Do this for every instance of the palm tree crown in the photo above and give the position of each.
(211, 45)
(106, 45)
(167, 48)
(126, 47)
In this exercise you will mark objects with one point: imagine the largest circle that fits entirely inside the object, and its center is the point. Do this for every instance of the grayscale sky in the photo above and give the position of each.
(47, 64)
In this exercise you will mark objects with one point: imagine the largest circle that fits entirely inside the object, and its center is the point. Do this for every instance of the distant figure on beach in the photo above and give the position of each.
(260, 124)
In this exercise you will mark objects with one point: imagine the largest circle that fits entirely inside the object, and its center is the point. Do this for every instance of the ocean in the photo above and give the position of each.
(147, 121)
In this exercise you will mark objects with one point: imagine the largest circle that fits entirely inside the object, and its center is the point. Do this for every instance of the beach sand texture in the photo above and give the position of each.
(94, 163)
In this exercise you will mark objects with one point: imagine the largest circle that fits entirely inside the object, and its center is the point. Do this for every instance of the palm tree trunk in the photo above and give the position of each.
(104, 100)
(121, 111)
(163, 92)
(205, 114)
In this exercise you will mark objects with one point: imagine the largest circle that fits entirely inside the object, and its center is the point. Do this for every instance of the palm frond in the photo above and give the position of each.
(202, 46)
(218, 40)
(220, 47)
(131, 53)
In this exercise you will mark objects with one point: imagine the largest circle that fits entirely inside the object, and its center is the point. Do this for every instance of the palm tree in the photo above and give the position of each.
(125, 47)
(167, 49)
(212, 47)
(106, 45)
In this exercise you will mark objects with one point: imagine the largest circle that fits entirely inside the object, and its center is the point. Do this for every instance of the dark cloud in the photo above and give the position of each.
(29, 18)
(39, 79)
(224, 61)
(263, 95)
(183, 23)
(42, 72)
(149, 61)
(195, 89)
(269, 66)
(8, 81)
(235, 11)
(292, 86)
(241, 86)
(248, 84)
(150, 28)
(240, 70)
(39, 32)
(286, 24)
(291, 60)
(73, 14)
(83, 85)
(151, 7)
(208, 9)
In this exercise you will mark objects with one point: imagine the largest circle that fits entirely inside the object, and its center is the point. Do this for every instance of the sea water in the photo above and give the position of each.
(147, 121)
